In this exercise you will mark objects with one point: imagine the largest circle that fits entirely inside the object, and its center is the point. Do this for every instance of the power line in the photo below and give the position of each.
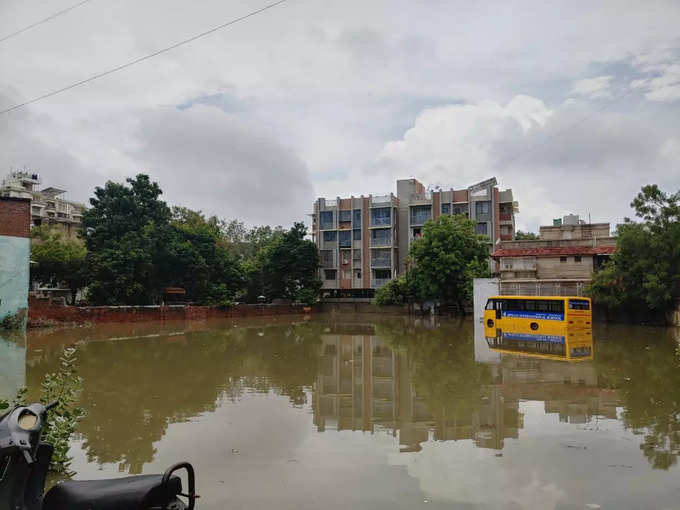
(140, 59)
(568, 127)
(48, 18)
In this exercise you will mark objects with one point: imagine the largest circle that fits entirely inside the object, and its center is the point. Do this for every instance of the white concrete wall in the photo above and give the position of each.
(483, 288)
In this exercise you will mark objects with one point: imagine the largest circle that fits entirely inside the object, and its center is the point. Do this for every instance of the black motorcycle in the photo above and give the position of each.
(24, 461)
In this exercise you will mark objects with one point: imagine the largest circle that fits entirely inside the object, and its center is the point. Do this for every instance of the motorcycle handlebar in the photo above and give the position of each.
(51, 405)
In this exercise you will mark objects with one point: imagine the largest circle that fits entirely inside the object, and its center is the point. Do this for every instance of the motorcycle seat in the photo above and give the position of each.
(129, 493)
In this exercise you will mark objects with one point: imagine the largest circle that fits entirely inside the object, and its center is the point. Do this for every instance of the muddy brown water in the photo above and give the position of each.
(369, 412)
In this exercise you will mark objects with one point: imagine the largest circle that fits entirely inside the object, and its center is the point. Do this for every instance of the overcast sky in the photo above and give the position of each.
(326, 98)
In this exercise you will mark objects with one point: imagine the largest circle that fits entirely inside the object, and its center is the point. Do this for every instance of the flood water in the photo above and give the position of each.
(374, 413)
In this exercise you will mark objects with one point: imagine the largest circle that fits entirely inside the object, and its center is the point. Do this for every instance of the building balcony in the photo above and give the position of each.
(381, 243)
(526, 266)
(381, 199)
(381, 222)
(381, 262)
(376, 283)
(383, 240)
(505, 216)
(506, 237)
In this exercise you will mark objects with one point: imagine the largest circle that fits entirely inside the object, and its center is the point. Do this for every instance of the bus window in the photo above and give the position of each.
(542, 305)
(556, 306)
(489, 304)
(515, 305)
(579, 304)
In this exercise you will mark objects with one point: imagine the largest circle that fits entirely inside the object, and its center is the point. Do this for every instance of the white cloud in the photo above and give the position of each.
(554, 161)
(595, 88)
(664, 88)
(336, 83)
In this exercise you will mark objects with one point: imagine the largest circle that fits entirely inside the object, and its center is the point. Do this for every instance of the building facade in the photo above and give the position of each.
(363, 241)
(47, 205)
(560, 262)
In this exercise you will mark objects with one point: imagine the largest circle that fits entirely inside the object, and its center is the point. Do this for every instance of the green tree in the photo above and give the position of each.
(124, 231)
(58, 261)
(287, 267)
(644, 271)
(525, 236)
(196, 258)
(446, 259)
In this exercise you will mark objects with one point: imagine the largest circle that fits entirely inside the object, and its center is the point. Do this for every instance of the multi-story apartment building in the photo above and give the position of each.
(47, 207)
(363, 242)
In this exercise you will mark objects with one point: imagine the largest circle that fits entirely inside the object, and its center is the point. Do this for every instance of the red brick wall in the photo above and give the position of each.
(460, 196)
(436, 205)
(365, 240)
(15, 217)
(497, 216)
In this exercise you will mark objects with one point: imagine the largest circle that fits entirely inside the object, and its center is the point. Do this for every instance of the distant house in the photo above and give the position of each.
(560, 262)
(48, 207)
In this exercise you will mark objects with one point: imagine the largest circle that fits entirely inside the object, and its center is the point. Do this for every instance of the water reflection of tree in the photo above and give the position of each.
(643, 365)
(133, 389)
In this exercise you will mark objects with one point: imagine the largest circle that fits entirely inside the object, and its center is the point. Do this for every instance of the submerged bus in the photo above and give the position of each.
(537, 313)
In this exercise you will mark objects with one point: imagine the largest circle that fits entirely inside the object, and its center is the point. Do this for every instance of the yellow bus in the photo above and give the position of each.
(566, 345)
(537, 313)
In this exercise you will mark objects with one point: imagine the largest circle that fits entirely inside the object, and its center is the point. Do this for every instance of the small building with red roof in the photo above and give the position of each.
(561, 261)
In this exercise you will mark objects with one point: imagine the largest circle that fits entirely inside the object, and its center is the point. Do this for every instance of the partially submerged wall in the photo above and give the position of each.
(42, 312)
(15, 250)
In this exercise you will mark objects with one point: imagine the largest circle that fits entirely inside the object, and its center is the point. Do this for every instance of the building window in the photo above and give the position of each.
(382, 274)
(381, 217)
(358, 275)
(459, 209)
(326, 220)
(357, 234)
(330, 236)
(345, 216)
(446, 208)
(483, 210)
(563, 259)
(381, 258)
(356, 217)
(417, 233)
(326, 257)
(577, 258)
(482, 228)
(330, 274)
(420, 214)
(345, 238)
(381, 237)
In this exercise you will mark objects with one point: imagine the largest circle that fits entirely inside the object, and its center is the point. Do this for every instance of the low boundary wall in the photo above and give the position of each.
(42, 312)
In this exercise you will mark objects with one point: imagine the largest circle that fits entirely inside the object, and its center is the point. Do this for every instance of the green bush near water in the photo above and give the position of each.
(63, 386)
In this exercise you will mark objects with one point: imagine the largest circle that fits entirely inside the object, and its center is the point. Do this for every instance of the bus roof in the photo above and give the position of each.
(540, 297)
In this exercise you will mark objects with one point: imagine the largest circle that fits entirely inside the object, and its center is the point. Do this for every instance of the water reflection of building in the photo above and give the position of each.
(364, 385)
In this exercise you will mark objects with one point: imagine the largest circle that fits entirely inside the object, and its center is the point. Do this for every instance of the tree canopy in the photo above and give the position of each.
(58, 261)
(525, 236)
(441, 264)
(137, 246)
(644, 271)
(124, 231)
(286, 267)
